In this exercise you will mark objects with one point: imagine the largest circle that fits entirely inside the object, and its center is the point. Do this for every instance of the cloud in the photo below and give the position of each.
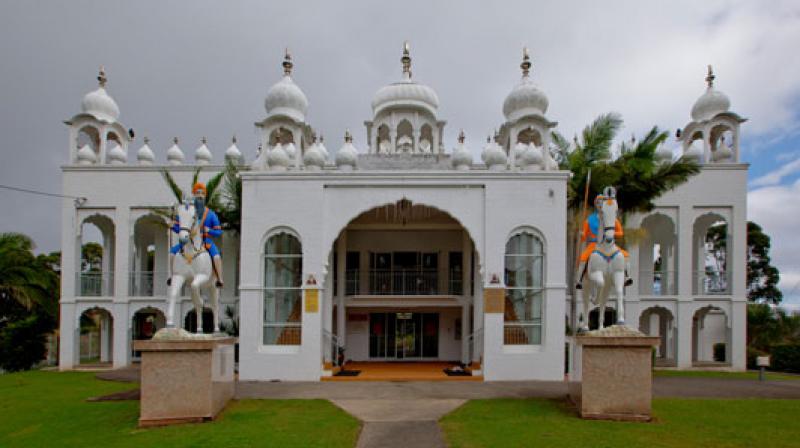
(774, 177)
(777, 210)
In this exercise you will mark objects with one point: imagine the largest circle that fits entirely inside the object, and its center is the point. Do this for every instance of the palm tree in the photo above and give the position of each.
(27, 282)
(637, 175)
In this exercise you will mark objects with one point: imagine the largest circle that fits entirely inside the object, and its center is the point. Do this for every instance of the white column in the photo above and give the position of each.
(68, 348)
(464, 332)
(327, 310)
(105, 337)
(738, 335)
(312, 331)
(436, 130)
(684, 327)
(415, 134)
(341, 315)
(121, 250)
(685, 251)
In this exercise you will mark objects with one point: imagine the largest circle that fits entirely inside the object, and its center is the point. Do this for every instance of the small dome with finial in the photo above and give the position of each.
(145, 155)
(202, 155)
(462, 158)
(347, 156)
(525, 99)
(86, 155)
(98, 103)
(285, 97)
(277, 159)
(531, 158)
(232, 153)
(406, 92)
(322, 148)
(116, 155)
(314, 159)
(712, 102)
(174, 154)
(493, 155)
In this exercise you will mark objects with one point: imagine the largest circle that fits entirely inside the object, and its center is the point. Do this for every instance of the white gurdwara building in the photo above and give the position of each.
(399, 250)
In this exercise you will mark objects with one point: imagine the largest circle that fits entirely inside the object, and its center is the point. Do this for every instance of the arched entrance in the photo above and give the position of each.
(659, 321)
(710, 337)
(146, 322)
(95, 337)
(404, 277)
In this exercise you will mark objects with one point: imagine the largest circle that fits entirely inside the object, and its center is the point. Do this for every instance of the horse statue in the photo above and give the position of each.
(192, 265)
(606, 266)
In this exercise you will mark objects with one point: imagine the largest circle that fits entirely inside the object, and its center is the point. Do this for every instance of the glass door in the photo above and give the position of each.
(406, 335)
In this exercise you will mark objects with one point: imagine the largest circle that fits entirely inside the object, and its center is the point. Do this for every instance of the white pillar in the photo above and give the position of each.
(327, 310)
(121, 340)
(684, 328)
(105, 337)
(68, 349)
(341, 315)
(464, 332)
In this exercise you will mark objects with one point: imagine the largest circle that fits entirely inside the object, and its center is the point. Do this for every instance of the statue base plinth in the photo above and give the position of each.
(613, 377)
(185, 379)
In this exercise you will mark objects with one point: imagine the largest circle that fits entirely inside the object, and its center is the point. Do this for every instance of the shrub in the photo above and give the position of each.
(719, 352)
(786, 357)
(22, 344)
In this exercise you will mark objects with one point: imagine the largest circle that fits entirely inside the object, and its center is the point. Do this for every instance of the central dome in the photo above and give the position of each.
(99, 104)
(405, 92)
(285, 97)
(525, 98)
(711, 103)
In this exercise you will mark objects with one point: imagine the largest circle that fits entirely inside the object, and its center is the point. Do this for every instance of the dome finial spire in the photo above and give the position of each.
(710, 77)
(526, 62)
(461, 136)
(347, 136)
(101, 77)
(406, 60)
(287, 62)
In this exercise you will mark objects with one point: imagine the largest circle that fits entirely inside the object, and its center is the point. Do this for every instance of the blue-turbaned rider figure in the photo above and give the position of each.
(210, 225)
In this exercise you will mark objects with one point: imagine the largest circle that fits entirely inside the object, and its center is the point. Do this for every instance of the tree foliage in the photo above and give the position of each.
(762, 277)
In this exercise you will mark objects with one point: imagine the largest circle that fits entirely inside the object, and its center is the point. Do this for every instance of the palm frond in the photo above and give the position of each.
(195, 177)
(173, 186)
(598, 136)
(212, 184)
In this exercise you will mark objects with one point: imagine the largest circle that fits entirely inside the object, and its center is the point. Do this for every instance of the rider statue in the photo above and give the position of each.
(591, 230)
(210, 227)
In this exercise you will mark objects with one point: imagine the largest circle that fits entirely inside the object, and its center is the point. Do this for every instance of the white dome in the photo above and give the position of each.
(117, 155)
(86, 155)
(462, 158)
(493, 156)
(202, 155)
(695, 151)
(145, 155)
(314, 159)
(232, 153)
(290, 149)
(712, 102)
(663, 153)
(525, 99)
(406, 93)
(99, 104)
(519, 149)
(277, 158)
(174, 154)
(286, 98)
(347, 156)
(532, 157)
(322, 148)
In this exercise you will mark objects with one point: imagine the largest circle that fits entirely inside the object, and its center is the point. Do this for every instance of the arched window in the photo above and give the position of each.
(283, 267)
(524, 278)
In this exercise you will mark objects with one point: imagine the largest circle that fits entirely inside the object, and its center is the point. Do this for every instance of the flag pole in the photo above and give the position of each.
(574, 303)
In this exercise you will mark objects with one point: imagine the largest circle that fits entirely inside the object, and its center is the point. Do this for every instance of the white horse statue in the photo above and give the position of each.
(192, 265)
(606, 266)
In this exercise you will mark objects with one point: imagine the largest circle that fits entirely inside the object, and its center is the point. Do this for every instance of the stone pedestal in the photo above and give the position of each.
(612, 378)
(185, 380)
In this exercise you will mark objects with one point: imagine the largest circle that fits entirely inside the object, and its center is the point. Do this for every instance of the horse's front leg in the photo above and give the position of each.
(587, 299)
(198, 300)
(619, 287)
(599, 291)
(174, 290)
(215, 306)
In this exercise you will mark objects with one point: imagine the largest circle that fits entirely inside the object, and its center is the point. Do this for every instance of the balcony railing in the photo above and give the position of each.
(711, 282)
(147, 283)
(404, 282)
(658, 283)
(92, 284)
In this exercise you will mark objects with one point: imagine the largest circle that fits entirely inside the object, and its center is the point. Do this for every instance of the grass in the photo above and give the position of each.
(49, 409)
(678, 423)
(750, 375)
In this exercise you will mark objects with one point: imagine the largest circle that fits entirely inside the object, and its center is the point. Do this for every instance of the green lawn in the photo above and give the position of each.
(679, 423)
(49, 409)
(769, 376)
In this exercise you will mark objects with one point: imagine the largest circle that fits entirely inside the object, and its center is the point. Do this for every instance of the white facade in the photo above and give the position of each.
(403, 252)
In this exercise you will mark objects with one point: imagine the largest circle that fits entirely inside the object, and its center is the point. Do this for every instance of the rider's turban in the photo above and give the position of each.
(198, 187)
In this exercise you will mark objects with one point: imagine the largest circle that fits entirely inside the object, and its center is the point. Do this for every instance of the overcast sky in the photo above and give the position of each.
(201, 68)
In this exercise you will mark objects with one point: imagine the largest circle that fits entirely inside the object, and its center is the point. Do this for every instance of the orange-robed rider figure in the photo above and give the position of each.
(591, 234)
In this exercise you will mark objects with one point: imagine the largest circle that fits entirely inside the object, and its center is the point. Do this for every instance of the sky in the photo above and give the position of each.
(202, 68)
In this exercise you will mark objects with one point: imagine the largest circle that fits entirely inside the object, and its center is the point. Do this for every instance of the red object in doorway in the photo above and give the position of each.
(377, 328)
(430, 329)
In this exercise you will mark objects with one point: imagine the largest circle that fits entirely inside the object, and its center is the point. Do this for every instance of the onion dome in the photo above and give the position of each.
(285, 97)
(347, 156)
(493, 155)
(519, 149)
(405, 92)
(232, 153)
(723, 153)
(531, 157)
(145, 155)
(277, 158)
(322, 148)
(174, 154)
(314, 159)
(202, 155)
(695, 151)
(664, 153)
(86, 156)
(290, 149)
(99, 104)
(462, 158)
(712, 102)
(117, 155)
(525, 99)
